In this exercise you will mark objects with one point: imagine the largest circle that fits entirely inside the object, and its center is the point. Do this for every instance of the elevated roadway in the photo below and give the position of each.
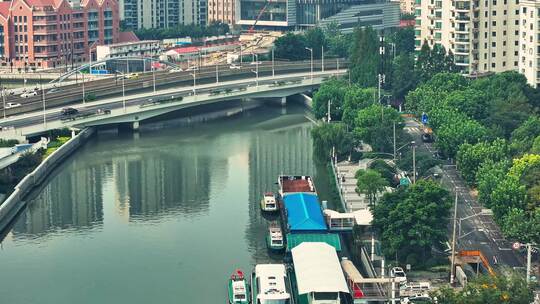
(112, 86)
(143, 105)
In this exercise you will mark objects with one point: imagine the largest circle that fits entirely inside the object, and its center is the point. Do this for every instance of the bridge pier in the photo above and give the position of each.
(284, 101)
(135, 126)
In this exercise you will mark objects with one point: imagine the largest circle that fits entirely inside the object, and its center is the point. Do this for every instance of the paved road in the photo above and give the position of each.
(112, 86)
(478, 230)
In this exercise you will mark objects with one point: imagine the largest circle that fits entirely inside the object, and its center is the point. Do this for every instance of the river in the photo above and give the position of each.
(160, 217)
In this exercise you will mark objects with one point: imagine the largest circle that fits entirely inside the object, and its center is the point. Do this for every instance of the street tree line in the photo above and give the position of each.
(492, 128)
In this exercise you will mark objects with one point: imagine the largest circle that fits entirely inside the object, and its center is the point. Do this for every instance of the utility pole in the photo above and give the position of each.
(328, 115)
(529, 250)
(124, 94)
(453, 261)
(154, 78)
(273, 73)
(311, 65)
(217, 72)
(322, 58)
(394, 129)
(414, 161)
(83, 95)
(43, 98)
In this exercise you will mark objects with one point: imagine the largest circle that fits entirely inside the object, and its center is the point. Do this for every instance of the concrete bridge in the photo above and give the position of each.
(135, 108)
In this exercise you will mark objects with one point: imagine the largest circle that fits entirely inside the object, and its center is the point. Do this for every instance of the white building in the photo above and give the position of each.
(483, 35)
(528, 41)
(138, 14)
(145, 48)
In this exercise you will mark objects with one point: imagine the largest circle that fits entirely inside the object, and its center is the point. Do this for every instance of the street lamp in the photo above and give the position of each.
(256, 68)
(217, 72)
(311, 69)
(194, 74)
(123, 91)
(43, 99)
(83, 94)
(413, 144)
(154, 78)
(322, 58)
(273, 62)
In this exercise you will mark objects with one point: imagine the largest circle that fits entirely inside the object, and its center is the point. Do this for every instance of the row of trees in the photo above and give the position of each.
(188, 30)
(490, 125)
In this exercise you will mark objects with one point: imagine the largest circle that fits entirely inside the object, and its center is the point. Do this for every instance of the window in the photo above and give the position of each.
(493, 65)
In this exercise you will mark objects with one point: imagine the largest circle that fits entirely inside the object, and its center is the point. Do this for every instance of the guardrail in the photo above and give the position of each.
(14, 202)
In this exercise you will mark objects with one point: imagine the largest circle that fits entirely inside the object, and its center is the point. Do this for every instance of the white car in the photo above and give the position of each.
(29, 94)
(175, 70)
(235, 67)
(10, 105)
(399, 274)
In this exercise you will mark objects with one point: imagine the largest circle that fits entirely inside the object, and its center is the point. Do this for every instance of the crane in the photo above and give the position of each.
(263, 9)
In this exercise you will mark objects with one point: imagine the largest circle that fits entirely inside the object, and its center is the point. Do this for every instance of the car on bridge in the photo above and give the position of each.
(10, 105)
(69, 112)
(29, 94)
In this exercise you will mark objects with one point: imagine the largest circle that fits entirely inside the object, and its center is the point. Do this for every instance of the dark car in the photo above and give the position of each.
(427, 138)
(69, 111)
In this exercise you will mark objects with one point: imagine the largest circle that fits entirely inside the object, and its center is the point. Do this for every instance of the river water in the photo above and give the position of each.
(161, 217)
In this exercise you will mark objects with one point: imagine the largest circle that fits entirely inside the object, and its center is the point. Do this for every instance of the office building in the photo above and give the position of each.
(483, 35)
(287, 14)
(49, 33)
(138, 14)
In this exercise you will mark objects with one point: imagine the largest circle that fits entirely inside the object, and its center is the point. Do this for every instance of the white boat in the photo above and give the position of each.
(274, 239)
(269, 203)
(269, 284)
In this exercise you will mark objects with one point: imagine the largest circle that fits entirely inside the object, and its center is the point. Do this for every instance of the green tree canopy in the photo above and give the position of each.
(315, 39)
(370, 183)
(356, 98)
(290, 46)
(327, 136)
(404, 76)
(501, 289)
(374, 125)
(489, 174)
(432, 61)
(451, 136)
(334, 91)
(523, 137)
(470, 157)
(428, 96)
(365, 58)
(412, 220)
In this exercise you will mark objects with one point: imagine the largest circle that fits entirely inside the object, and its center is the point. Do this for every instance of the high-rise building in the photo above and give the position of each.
(406, 6)
(283, 14)
(48, 33)
(221, 11)
(529, 49)
(483, 35)
(138, 14)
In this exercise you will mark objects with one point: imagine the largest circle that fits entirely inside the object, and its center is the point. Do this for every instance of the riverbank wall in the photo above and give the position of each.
(13, 204)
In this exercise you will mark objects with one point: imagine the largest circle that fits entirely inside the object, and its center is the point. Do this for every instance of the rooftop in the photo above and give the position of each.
(271, 281)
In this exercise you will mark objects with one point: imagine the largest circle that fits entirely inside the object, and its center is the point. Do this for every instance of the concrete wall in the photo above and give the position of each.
(15, 202)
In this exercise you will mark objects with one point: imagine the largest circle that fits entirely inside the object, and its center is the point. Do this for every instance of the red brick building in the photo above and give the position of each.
(52, 33)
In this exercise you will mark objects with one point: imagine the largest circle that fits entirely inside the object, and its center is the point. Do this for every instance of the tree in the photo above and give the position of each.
(315, 39)
(356, 98)
(412, 220)
(404, 77)
(432, 61)
(370, 183)
(470, 157)
(508, 289)
(403, 39)
(338, 43)
(291, 46)
(374, 125)
(332, 91)
(489, 174)
(522, 226)
(428, 95)
(523, 137)
(471, 102)
(385, 170)
(450, 136)
(329, 136)
(365, 58)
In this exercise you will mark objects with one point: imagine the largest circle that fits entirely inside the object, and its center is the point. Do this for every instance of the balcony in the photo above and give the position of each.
(46, 54)
(461, 51)
(45, 42)
(463, 18)
(44, 22)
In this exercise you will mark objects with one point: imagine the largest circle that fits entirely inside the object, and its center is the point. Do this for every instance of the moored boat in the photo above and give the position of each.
(269, 284)
(269, 203)
(275, 239)
(238, 288)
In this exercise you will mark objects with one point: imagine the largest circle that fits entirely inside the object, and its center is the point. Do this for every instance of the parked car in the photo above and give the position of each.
(69, 111)
(10, 105)
(29, 94)
(132, 76)
(399, 274)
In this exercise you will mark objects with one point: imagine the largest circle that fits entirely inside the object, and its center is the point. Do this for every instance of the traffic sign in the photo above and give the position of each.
(516, 245)
(424, 118)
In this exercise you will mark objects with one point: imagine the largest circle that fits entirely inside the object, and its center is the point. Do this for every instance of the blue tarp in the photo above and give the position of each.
(304, 212)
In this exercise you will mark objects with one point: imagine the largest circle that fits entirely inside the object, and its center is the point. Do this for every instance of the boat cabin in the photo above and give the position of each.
(268, 202)
(239, 291)
(337, 221)
(275, 237)
(270, 284)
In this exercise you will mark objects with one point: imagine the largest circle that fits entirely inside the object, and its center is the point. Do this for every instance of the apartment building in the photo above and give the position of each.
(529, 39)
(49, 33)
(483, 35)
(138, 14)
(221, 11)
(406, 6)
